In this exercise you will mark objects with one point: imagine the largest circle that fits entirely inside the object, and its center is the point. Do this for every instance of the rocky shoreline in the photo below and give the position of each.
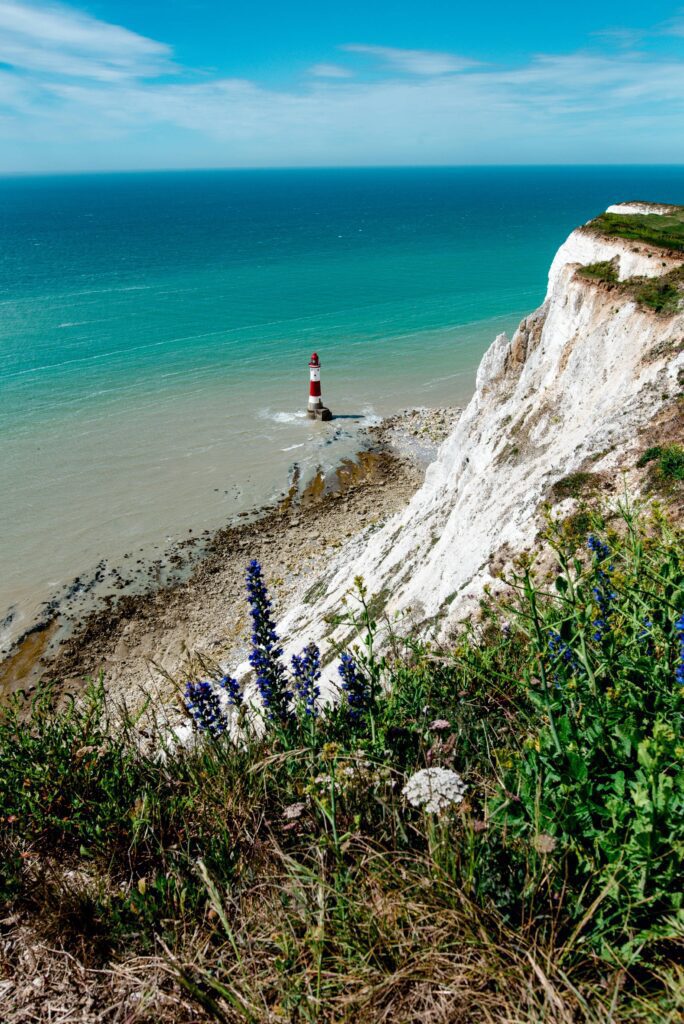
(184, 613)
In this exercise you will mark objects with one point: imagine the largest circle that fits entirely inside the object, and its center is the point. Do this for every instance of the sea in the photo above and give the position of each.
(156, 329)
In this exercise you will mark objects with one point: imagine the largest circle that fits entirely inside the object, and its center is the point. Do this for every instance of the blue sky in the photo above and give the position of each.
(142, 84)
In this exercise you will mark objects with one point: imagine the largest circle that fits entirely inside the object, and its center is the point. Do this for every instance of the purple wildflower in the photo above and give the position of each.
(354, 685)
(306, 671)
(204, 705)
(266, 654)
(233, 690)
(679, 630)
(603, 593)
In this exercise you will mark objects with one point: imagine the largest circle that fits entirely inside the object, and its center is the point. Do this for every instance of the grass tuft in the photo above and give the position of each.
(663, 230)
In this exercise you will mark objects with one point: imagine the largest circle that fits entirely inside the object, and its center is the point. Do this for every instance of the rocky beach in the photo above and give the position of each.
(150, 626)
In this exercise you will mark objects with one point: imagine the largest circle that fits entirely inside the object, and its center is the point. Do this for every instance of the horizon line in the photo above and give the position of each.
(322, 167)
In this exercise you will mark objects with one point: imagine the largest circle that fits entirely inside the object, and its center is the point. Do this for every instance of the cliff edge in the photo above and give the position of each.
(581, 379)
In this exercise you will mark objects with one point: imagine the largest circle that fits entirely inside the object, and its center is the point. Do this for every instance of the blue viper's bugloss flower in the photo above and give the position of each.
(560, 650)
(355, 687)
(562, 655)
(306, 671)
(266, 654)
(679, 630)
(233, 690)
(204, 705)
(604, 595)
(598, 548)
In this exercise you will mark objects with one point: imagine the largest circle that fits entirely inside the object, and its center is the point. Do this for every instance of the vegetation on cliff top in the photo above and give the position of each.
(663, 293)
(665, 230)
(488, 831)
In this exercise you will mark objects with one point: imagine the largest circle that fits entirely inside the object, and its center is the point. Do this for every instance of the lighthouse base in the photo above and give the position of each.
(319, 413)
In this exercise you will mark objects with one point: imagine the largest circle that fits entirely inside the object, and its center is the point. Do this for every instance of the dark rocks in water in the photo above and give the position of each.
(9, 617)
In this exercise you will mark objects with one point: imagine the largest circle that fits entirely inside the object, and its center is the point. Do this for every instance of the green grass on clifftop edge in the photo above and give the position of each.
(665, 230)
(289, 879)
(662, 294)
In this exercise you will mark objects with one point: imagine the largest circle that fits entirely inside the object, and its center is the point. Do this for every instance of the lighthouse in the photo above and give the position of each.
(316, 410)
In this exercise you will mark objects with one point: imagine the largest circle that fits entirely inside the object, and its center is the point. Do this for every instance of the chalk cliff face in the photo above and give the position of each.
(580, 376)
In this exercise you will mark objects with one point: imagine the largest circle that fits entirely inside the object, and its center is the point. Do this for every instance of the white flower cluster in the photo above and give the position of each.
(434, 789)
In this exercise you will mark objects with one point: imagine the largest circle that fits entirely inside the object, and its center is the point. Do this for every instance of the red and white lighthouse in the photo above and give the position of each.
(316, 410)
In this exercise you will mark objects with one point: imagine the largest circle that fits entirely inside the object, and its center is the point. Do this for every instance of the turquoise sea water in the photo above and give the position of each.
(155, 331)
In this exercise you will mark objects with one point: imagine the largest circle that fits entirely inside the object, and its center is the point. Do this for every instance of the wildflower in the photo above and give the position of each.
(306, 671)
(294, 811)
(603, 592)
(266, 650)
(560, 651)
(600, 550)
(439, 725)
(233, 690)
(679, 630)
(324, 783)
(354, 685)
(434, 789)
(544, 843)
(204, 705)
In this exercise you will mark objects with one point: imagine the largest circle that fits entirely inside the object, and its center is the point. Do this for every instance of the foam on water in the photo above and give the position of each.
(283, 417)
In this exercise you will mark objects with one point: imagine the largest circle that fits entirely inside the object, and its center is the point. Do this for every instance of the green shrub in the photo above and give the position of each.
(598, 791)
(603, 271)
(658, 293)
(671, 462)
(575, 485)
(648, 456)
(668, 462)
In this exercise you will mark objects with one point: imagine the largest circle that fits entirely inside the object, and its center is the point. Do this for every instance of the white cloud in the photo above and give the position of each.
(91, 95)
(324, 70)
(413, 62)
(61, 41)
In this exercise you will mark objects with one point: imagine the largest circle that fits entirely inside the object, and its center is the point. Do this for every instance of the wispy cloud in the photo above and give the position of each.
(61, 41)
(675, 26)
(413, 62)
(324, 70)
(88, 94)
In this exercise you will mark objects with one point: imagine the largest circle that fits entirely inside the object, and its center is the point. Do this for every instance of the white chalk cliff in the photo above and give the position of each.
(580, 376)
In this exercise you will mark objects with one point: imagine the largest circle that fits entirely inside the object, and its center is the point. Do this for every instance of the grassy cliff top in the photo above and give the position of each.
(662, 229)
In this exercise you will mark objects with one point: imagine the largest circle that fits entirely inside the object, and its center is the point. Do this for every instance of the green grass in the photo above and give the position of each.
(667, 466)
(287, 878)
(662, 294)
(605, 270)
(664, 230)
(576, 485)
